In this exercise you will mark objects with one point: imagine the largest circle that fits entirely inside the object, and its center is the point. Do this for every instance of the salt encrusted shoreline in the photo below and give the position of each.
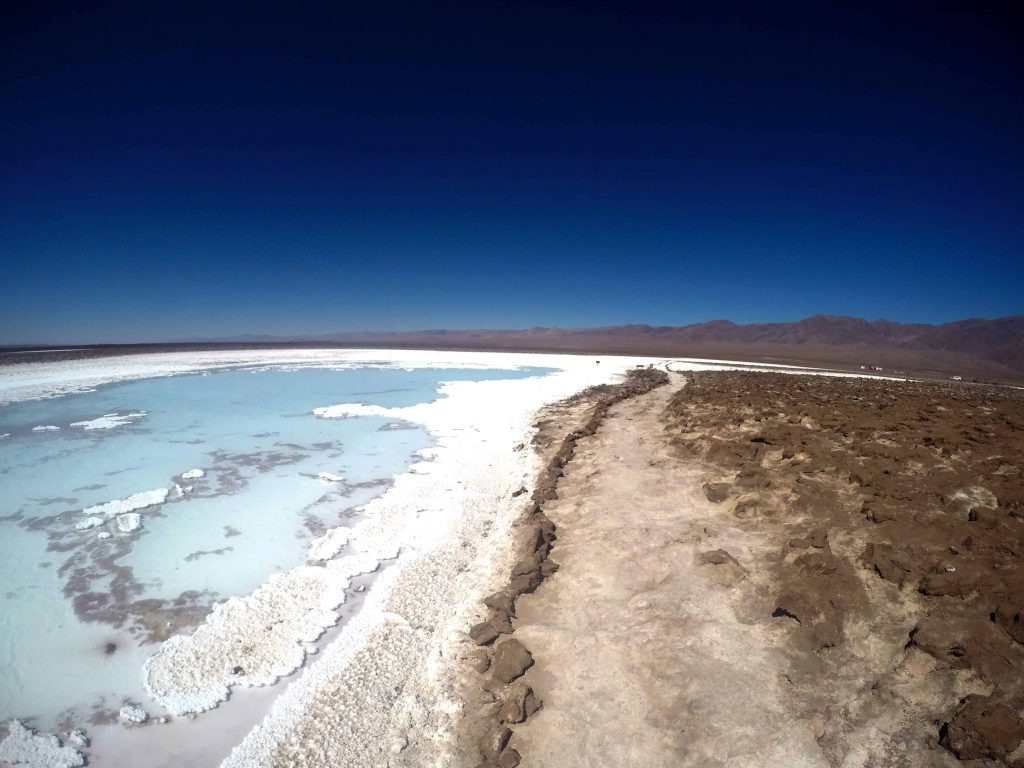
(379, 679)
(447, 518)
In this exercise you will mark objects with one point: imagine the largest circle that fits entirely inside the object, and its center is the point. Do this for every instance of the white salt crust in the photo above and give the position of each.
(330, 477)
(140, 500)
(47, 428)
(193, 474)
(133, 713)
(246, 641)
(89, 522)
(110, 420)
(78, 739)
(129, 522)
(23, 747)
(329, 545)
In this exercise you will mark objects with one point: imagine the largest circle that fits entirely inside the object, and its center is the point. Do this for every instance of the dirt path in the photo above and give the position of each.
(648, 666)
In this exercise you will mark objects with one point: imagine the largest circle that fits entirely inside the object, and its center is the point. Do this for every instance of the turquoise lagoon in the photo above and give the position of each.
(81, 610)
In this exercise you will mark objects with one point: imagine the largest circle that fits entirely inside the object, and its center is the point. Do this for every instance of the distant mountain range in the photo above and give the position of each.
(986, 347)
(986, 350)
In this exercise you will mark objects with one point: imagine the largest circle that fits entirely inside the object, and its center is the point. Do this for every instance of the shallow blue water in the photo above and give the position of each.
(68, 596)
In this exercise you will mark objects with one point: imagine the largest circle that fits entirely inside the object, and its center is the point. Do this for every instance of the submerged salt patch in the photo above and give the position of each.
(89, 522)
(330, 477)
(330, 544)
(352, 410)
(251, 641)
(46, 428)
(78, 739)
(26, 748)
(139, 500)
(109, 420)
(193, 474)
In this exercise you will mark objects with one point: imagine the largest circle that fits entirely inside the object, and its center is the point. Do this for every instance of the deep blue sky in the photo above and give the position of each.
(167, 171)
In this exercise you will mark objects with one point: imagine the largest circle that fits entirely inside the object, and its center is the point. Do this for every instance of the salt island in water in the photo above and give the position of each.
(183, 532)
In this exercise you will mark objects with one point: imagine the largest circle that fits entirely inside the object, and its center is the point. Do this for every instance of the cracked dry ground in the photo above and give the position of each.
(771, 569)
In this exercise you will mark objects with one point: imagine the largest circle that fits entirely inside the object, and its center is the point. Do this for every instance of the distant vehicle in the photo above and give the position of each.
(956, 378)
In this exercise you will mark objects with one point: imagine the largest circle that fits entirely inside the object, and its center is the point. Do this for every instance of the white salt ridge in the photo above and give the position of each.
(250, 641)
(130, 522)
(133, 713)
(110, 420)
(5, 434)
(29, 381)
(193, 474)
(48, 428)
(330, 477)
(23, 747)
(330, 544)
(421, 600)
(140, 500)
(103, 535)
(89, 522)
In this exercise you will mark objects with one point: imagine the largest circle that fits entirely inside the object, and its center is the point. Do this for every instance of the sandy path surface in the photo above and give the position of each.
(647, 666)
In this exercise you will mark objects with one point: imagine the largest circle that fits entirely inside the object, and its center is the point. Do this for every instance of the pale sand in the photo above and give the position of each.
(646, 665)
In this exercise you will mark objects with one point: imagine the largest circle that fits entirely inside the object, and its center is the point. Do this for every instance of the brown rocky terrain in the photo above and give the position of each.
(765, 569)
(895, 511)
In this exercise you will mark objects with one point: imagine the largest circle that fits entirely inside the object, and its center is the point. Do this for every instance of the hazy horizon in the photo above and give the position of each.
(326, 336)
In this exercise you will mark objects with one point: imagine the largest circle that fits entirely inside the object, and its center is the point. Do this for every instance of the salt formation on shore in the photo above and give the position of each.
(330, 544)
(387, 673)
(248, 641)
(48, 428)
(193, 474)
(432, 529)
(110, 420)
(89, 522)
(23, 747)
(136, 501)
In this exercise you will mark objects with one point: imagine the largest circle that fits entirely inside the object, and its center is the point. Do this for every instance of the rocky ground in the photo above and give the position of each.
(890, 521)
(765, 569)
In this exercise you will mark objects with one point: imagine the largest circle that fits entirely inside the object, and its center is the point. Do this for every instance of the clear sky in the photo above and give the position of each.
(169, 171)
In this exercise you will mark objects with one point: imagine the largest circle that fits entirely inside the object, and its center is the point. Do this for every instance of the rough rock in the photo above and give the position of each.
(510, 660)
(518, 703)
(982, 728)
(717, 492)
(494, 742)
(483, 633)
